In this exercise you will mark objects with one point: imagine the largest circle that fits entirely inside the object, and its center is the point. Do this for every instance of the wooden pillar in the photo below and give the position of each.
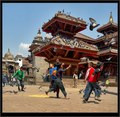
(69, 72)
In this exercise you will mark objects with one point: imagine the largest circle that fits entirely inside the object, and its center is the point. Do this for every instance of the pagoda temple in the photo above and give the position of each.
(110, 50)
(70, 46)
(37, 62)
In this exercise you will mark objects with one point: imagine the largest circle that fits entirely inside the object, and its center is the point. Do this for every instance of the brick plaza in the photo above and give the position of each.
(35, 100)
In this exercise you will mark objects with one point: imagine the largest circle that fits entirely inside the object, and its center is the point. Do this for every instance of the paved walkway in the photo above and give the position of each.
(35, 100)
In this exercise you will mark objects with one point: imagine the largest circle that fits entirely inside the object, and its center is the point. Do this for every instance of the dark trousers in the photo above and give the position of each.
(54, 88)
(58, 84)
(20, 83)
(3, 84)
(91, 86)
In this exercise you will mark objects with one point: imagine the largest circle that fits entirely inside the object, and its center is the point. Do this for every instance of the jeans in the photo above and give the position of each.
(91, 86)
(96, 89)
(20, 83)
(87, 91)
(86, 88)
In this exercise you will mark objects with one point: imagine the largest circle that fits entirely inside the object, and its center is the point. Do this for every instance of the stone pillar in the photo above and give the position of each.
(33, 70)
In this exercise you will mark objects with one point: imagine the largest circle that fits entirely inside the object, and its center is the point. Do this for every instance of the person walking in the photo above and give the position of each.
(90, 67)
(4, 80)
(93, 76)
(19, 75)
(57, 83)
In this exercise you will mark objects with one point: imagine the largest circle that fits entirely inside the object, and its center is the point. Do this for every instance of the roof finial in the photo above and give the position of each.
(39, 31)
(111, 18)
(8, 50)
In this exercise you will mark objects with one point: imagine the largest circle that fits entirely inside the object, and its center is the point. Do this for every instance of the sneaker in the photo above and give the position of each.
(97, 98)
(85, 101)
(80, 91)
(15, 92)
(22, 90)
(57, 96)
(65, 96)
(19, 89)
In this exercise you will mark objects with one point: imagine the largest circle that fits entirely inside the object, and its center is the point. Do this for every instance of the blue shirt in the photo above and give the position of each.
(51, 70)
(53, 77)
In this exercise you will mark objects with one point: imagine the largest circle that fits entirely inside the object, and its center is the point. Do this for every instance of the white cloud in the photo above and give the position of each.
(19, 53)
(24, 46)
(23, 49)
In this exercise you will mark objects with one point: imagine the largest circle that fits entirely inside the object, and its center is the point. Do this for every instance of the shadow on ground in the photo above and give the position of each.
(58, 98)
(93, 102)
(109, 92)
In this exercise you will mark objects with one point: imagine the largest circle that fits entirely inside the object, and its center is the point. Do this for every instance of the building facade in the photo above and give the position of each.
(9, 65)
(70, 46)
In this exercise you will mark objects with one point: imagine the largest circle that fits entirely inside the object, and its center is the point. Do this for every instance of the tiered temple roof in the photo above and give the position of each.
(70, 46)
(38, 40)
(64, 24)
(111, 26)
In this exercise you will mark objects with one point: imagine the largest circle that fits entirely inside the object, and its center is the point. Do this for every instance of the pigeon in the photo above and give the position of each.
(40, 87)
(15, 92)
(59, 41)
(108, 59)
(68, 13)
(55, 49)
(37, 70)
(106, 42)
(113, 41)
(80, 91)
(93, 24)
(84, 59)
(72, 46)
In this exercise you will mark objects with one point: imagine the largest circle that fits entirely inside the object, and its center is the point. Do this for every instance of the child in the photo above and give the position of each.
(75, 78)
(57, 83)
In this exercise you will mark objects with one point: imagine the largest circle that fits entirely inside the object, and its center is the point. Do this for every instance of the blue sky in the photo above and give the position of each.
(21, 21)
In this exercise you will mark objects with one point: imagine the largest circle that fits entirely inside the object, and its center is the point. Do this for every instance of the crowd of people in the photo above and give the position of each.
(55, 75)
(91, 78)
